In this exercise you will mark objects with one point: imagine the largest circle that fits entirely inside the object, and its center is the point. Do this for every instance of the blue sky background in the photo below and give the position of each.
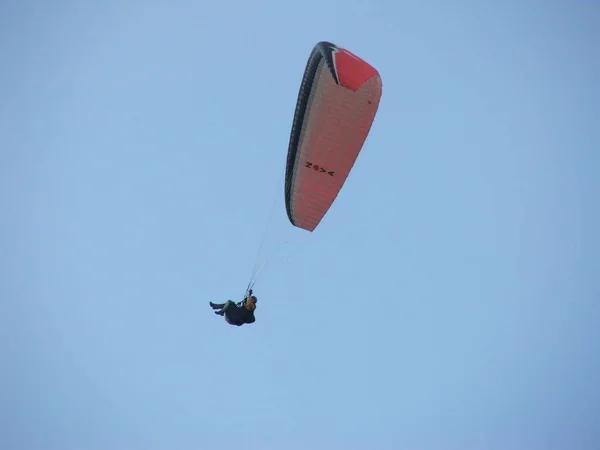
(447, 301)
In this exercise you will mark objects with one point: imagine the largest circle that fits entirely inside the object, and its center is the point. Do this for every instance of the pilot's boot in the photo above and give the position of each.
(216, 305)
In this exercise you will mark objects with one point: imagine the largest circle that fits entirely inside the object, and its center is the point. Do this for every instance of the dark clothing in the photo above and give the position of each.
(236, 314)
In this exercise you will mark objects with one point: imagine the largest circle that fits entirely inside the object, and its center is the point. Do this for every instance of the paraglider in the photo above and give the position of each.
(336, 106)
(237, 314)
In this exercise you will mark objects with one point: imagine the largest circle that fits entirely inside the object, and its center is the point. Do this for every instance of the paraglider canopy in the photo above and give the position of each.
(336, 107)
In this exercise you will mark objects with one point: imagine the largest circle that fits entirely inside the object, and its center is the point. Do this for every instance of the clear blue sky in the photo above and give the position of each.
(446, 302)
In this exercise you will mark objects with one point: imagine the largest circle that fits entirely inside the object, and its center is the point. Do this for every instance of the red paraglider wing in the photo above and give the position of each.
(337, 103)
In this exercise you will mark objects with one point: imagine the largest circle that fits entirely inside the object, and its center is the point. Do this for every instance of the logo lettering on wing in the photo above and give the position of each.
(318, 168)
